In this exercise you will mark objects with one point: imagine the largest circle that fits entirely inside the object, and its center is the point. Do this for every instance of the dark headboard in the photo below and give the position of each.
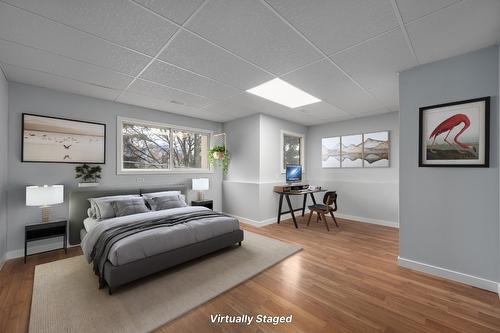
(78, 203)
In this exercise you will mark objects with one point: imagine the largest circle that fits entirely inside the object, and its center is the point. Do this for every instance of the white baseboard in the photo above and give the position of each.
(368, 220)
(450, 274)
(289, 216)
(3, 260)
(259, 224)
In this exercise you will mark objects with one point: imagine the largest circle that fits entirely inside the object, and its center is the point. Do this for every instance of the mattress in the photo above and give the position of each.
(152, 242)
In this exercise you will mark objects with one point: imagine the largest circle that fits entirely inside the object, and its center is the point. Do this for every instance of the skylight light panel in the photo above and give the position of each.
(283, 93)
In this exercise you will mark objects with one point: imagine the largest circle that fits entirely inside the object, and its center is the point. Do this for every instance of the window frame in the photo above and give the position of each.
(171, 170)
(302, 149)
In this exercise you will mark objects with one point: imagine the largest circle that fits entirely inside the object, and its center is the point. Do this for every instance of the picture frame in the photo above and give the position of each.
(48, 139)
(455, 134)
(366, 150)
(377, 149)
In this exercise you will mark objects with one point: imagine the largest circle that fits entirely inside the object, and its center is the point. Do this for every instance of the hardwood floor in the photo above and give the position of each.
(345, 280)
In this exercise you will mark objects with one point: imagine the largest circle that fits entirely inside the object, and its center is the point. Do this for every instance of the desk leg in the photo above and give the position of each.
(291, 210)
(312, 197)
(304, 204)
(279, 208)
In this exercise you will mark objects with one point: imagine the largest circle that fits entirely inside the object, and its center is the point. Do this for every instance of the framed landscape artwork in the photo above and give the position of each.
(455, 134)
(330, 152)
(376, 149)
(369, 150)
(352, 151)
(58, 140)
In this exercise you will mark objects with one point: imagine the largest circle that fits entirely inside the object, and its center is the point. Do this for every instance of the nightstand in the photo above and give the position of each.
(205, 203)
(39, 231)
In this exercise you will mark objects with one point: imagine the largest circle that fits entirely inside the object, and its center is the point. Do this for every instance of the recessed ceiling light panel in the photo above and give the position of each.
(283, 93)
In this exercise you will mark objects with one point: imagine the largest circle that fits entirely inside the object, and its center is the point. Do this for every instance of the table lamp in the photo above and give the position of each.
(200, 185)
(44, 196)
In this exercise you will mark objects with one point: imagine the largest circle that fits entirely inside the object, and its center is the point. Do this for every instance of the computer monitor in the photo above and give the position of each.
(293, 173)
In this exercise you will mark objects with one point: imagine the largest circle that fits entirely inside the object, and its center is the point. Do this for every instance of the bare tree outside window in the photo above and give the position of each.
(156, 147)
(190, 149)
(145, 147)
(291, 149)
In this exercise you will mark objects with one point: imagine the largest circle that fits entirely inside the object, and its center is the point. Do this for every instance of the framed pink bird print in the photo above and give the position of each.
(455, 134)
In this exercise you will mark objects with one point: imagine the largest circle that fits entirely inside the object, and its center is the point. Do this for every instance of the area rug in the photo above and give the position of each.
(66, 297)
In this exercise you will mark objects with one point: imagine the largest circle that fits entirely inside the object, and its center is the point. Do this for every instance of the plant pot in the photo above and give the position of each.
(88, 184)
(218, 155)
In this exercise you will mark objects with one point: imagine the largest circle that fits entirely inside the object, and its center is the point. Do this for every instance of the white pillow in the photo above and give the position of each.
(102, 205)
(160, 194)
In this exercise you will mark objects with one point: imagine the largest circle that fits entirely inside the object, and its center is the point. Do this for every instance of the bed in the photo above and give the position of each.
(126, 248)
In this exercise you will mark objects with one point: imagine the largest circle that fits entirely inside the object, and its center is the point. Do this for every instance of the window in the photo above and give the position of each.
(156, 148)
(292, 149)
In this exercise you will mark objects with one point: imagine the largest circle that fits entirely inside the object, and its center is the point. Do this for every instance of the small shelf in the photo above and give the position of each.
(88, 184)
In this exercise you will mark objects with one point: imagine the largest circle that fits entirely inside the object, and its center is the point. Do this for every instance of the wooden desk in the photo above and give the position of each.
(287, 197)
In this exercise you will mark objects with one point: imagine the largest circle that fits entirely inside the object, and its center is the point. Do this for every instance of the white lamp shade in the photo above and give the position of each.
(44, 195)
(200, 184)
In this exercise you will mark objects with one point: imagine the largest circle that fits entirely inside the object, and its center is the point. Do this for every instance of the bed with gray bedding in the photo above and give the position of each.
(126, 248)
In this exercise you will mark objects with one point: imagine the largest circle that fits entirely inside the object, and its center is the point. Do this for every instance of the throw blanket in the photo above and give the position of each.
(103, 245)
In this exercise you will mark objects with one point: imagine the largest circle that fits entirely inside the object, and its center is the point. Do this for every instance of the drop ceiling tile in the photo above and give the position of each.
(375, 64)
(28, 76)
(175, 10)
(256, 103)
(149, 102)
(325, 81)
(28, 29)
(461, 28)
(297, 117)
(119, 21)
(413, 9)
(324, 111)
(166, 94)
(27, 57)
(252, 31)
(177, 78)
(191, 52)
(336, 25)
(228, 111)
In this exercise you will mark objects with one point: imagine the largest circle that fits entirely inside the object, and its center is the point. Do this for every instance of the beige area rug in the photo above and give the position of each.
(66, 297)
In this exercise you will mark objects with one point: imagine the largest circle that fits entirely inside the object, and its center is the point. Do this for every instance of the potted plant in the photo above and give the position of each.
(219, 155)
(89, 175)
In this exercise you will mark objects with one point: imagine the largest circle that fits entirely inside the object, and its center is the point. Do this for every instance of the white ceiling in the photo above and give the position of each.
(198, 57)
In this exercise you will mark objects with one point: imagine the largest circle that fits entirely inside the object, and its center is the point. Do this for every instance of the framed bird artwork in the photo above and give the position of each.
(60, 140)
(455, 134)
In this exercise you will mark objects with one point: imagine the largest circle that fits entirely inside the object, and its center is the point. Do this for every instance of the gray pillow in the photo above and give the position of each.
(166, 202)
(129, 207)
(102, 205)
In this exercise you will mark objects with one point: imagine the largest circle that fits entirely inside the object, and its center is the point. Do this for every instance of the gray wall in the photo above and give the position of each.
(242, 136)
(254, 143)
(4, 106)
(449, 217)
(24, 98)
(369, 194)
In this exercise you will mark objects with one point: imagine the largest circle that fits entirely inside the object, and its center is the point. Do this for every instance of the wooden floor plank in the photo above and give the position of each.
(345, 280)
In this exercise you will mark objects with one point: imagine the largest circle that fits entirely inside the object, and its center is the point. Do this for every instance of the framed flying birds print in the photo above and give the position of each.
(455, 134)
(59, 140)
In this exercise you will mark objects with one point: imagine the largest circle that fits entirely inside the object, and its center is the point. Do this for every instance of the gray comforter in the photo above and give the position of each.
(151, 242)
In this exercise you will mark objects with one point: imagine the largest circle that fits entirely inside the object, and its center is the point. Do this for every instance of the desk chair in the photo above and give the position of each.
(329, 199)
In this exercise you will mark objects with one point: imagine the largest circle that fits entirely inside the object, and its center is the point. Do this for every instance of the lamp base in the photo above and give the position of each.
(200, 196)
(45, 214)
